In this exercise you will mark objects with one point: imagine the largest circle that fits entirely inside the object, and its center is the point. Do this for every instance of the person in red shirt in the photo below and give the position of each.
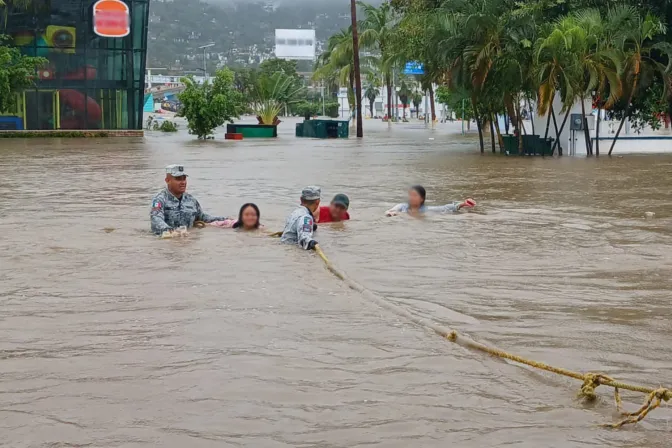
(337, 211)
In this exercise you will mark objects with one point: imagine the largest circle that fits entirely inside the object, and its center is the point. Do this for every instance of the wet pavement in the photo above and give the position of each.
(115, 338)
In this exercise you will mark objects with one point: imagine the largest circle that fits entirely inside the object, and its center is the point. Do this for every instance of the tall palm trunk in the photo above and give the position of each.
(529, 108)
(351, 93)
(562, 128)
(548, 123)
(586, 132)
(500, 140)
(492, 133)
(597, 132)
(388, 85)
(521, 127)
(627, 111)
(431, 103)
(478, 124)
(371, 108)
(557, 133)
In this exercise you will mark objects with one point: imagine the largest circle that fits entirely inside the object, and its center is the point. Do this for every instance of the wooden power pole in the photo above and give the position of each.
(358, 78)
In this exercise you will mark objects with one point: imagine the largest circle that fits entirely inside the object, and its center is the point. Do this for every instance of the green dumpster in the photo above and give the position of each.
(531, 145)
(510, 144)
(324, 129)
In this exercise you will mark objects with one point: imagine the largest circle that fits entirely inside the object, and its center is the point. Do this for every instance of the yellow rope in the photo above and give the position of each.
(590, 380)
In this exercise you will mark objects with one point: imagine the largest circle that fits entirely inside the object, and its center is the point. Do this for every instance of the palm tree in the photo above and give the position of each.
(557, 68)
(378, 27)
(372, 92)
(338, 62)
(598, 64)
(636, 39)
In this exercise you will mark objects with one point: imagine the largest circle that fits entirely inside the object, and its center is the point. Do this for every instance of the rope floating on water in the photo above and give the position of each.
(591, 381)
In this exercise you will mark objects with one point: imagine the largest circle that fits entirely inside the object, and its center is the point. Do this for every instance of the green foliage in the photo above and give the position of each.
(306, 108)
(458, 101)
(332, 109)
(274, 92)
(166, 126)
(272, 66)
(208, 106)
(17, 72)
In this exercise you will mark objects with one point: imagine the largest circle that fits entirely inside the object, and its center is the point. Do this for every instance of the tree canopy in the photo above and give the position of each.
(17, 72)
(209, 105)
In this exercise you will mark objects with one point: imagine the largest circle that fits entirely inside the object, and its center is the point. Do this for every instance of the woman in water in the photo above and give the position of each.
(248, 219)
(416, 204)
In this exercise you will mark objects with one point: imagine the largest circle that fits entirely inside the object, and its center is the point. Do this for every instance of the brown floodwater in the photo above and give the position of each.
(227, 339)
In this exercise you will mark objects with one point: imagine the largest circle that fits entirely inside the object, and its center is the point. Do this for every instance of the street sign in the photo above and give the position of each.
(414, 68)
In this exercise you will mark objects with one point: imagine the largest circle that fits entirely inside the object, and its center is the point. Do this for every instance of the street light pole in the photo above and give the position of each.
(205, 67)
(358, 79)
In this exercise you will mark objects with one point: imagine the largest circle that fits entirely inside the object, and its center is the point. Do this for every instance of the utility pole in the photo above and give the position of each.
(358, 79)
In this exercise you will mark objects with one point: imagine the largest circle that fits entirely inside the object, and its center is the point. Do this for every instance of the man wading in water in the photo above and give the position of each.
(299, 226)
(173, 207)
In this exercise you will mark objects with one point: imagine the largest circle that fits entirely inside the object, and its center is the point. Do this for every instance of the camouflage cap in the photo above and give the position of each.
(311, 193)
(176, 170)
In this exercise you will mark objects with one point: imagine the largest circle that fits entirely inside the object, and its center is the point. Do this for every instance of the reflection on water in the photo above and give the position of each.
(113, 338)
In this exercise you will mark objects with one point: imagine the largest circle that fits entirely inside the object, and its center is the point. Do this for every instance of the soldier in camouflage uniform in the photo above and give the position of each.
(299, 226)
(173, 207)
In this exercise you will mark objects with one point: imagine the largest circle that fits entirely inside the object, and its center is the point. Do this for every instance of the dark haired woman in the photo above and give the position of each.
(416, 204)
(248, 219)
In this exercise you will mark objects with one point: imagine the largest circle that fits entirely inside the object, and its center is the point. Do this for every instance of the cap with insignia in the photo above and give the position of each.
(176, 170)
(311, 193)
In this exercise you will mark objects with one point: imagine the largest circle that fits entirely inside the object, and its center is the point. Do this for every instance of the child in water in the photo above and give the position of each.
(416, 204)
(248, 219)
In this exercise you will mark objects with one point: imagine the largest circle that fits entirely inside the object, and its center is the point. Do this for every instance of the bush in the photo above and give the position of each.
(167, 126)
(305, 108)
(332, 109)
(207, 106)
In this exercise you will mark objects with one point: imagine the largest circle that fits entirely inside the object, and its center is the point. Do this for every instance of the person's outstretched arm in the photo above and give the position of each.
(394, 211)
(202, 216)
(453, 207)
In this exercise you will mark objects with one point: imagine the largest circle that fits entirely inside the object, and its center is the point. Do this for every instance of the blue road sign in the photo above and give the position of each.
(414, 68)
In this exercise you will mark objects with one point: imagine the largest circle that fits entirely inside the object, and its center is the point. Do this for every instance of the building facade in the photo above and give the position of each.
(95, 75)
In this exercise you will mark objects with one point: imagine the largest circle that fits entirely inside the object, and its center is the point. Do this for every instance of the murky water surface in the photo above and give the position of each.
(226, 339)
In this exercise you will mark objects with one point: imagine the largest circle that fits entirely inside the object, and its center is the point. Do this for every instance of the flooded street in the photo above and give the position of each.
(225, 339)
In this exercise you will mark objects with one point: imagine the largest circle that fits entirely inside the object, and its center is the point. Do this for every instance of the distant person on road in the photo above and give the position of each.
(337, 211)
(416, 204)
(299, 226)
(173, 207)
(248, 219)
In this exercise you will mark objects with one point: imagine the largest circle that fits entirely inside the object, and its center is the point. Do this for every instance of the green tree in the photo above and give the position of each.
(17, 72)
(404, 93)
(272, 66)
(416, 99)
(458, 101)
(337, 61)
(209, 105)
(638, 34)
